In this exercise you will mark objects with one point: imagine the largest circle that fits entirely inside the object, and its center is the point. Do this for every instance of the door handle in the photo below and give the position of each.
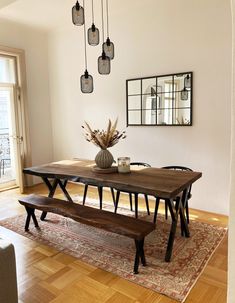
(19, 139)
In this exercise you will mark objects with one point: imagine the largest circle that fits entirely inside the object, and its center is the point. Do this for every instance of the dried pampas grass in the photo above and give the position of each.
(102, 138)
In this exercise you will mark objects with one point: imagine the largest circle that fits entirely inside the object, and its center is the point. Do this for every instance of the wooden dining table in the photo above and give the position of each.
(170, 185)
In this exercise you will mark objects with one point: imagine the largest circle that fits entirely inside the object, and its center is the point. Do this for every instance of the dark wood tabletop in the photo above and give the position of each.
(159, 182)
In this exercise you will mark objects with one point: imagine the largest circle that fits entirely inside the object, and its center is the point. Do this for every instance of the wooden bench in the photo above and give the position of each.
(116, 223)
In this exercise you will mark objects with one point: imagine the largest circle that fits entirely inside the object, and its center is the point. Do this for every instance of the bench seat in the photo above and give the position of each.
(116, 223)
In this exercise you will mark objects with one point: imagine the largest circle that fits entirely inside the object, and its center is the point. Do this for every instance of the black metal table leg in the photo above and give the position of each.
(48, 183)
(175, 212)
(139, 255)
(156, 210)
(62, 186)
(177, 208)
(170, 205)
(183, 219)
(52, 189)
(171, 238)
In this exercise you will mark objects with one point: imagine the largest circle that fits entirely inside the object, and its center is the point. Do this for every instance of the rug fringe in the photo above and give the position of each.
(205, 265)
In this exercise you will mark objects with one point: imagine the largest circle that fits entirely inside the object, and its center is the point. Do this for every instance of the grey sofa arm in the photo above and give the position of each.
(8, 280)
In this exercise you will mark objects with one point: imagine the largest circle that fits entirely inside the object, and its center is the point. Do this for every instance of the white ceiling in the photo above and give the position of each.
(45, 14)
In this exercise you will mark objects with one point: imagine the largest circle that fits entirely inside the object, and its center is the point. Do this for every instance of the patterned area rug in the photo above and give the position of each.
(115, 253)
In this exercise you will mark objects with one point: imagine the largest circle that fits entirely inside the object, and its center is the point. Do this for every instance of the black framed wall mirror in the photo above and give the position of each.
(164, 100)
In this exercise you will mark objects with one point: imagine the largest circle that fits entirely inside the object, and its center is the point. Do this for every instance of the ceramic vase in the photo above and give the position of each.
(104, 159)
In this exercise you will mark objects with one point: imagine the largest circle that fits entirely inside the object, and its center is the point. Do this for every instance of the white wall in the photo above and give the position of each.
(35, 44)
(6, 2)
(231, 251)
(152, 38)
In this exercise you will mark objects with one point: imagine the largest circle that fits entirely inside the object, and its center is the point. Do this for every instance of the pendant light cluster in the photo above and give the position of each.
(187, 85)
(93, 39)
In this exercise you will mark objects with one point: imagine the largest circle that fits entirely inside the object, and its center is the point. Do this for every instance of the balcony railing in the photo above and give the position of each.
(5, 146)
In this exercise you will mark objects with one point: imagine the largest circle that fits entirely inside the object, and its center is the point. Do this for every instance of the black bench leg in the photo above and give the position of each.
(43, 215)
(27, 222)
(139, 255)
(35, 220)
(30, 213)
(142, 256)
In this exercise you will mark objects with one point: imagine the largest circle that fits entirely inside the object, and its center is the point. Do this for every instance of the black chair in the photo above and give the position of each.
(135, 194)
(183, 168)
(100, 192)
(99, 188)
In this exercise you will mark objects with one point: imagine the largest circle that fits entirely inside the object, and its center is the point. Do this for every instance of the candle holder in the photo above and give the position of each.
(124, 165)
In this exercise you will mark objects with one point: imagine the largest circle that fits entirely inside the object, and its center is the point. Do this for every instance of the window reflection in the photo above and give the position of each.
(160, 100)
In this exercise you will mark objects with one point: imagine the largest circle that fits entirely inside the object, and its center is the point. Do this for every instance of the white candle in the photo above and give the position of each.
(124, 165)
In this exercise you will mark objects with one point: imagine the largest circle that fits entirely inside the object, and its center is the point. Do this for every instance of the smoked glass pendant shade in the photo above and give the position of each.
(104, 65)
(184, 94)
(93, 35)
(108, 48)
(78, 14)
(87, 83)
(187, 82)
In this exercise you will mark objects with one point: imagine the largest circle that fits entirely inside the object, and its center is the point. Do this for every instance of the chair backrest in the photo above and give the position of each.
(176, 167)
(140, 164)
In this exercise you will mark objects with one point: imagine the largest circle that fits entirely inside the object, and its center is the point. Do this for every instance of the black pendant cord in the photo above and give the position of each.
(102, 7)
(85, 37)
(93, 19)
(107, 12)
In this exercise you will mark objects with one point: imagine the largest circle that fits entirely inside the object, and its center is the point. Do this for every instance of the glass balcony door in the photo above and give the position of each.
(7, 152)
(10, 139)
